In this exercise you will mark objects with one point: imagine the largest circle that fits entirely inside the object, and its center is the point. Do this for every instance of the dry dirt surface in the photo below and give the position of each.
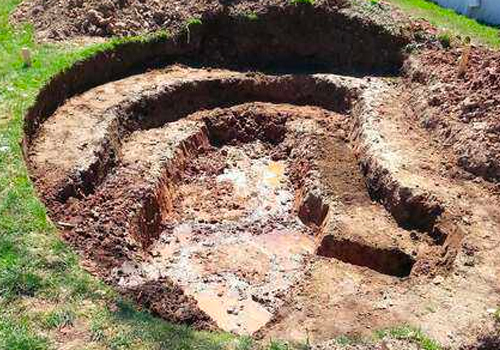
(288, 206)
(460, 110)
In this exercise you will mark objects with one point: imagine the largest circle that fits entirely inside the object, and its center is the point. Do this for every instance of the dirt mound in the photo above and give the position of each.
(62, 19)
(460, 109)
(165, 299)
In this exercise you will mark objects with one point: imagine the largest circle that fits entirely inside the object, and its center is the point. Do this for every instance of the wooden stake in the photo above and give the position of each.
(26, 54)
(464, 60)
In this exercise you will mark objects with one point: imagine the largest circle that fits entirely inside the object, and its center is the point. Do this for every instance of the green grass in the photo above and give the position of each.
(445, 39)
(190, 23)
(60, 317)
(403, 332)
(302, 2)
(345, 340)
(449, 21)
(409, 333)
(496, 315)
(252, 16)
(193, 22)
(19, 336)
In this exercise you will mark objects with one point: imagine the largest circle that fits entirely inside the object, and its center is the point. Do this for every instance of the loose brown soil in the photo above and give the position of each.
(63, 19)
(460, 110)
(272, 204)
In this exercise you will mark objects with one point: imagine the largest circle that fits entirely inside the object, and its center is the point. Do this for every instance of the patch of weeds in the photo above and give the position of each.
(496, 315)
(301, 345)
(18, 275)
(445, 39)
(18, 336)
(98, 324)
(121, 341)
(430, 308)
(307, 344)
(287, 345)
(192, 23)
(302, 2)
(252, 16)
(58, 318)
(80, 284)
(412, 334)
(18, 281)
(375, 2)
(243, 343)
(97, 333)
(345, 340)
(278, 345)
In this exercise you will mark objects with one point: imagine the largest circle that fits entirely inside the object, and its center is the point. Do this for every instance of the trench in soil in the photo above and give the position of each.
(241, 220)
(181, 99)
(233, 241)
(231, 238)
(280, 37)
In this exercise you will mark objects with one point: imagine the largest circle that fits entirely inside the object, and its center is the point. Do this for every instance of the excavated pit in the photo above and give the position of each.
(228, 206)
(230, 233)
(257, 204)
(265, 204)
